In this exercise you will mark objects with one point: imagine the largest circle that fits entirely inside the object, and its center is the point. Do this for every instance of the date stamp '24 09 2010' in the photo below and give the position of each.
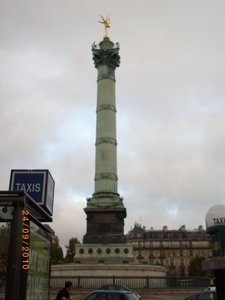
(25, 239)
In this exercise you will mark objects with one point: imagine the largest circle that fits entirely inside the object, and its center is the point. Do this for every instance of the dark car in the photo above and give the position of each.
(111, 295)
(118, 287)
(205, 295)
(114, 287)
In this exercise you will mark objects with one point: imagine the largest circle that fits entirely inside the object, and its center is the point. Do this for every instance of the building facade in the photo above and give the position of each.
(171, 248)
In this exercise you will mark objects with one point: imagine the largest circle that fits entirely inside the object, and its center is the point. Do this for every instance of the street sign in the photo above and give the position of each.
(38, 184)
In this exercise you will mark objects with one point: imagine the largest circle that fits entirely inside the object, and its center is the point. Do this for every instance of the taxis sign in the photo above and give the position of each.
(38, 184)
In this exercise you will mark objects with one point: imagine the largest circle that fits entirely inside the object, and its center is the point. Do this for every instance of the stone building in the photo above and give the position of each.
(170, 248)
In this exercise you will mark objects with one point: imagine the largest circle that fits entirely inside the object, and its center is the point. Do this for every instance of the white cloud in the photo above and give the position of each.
(170, 102)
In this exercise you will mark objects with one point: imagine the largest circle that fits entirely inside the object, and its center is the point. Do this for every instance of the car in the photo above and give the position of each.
(118, 287)
(111, 295)
(204, 295)
(114, 287)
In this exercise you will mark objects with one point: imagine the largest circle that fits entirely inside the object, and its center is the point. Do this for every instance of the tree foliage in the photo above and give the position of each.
(56, 252)
(71, 250)
(4, 244)
(195, 266)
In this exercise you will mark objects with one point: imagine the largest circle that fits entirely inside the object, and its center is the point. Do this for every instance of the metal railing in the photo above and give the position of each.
(145, 282)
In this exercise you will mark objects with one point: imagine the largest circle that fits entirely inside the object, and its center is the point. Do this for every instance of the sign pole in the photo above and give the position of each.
(14, 259)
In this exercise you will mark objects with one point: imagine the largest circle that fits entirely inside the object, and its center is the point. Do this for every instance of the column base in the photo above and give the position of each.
(105, 225)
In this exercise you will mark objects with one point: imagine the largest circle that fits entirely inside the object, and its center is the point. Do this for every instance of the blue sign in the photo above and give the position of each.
(38, 184)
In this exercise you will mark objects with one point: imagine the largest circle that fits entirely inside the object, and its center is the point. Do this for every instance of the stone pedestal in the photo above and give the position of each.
(105, 225)
(132, 270)
(104, 253)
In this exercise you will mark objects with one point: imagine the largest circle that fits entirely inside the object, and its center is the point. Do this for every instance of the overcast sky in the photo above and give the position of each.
(170, 94)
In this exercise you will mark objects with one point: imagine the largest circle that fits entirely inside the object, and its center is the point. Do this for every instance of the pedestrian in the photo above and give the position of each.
(63, 294)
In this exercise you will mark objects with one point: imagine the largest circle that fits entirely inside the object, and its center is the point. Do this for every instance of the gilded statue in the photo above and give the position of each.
(106, 23)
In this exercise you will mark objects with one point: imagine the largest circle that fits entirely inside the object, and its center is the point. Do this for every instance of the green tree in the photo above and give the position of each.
(71, 250)
(195, 266)
(56, 254)
(4, 244)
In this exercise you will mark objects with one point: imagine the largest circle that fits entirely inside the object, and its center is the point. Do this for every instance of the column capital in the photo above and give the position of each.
(106, 53)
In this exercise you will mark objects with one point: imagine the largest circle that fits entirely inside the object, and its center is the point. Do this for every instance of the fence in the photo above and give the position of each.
(145, 282)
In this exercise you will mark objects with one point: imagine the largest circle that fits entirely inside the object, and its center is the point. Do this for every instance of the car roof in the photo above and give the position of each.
(117, 287)
(112, 291)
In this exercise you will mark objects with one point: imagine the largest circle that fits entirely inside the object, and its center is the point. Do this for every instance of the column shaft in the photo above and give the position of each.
(106, 144)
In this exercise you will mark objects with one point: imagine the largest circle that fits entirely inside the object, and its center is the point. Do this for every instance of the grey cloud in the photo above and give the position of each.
(170, 103)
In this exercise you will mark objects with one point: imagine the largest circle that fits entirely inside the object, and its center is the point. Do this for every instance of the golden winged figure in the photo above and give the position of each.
(106, 23)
